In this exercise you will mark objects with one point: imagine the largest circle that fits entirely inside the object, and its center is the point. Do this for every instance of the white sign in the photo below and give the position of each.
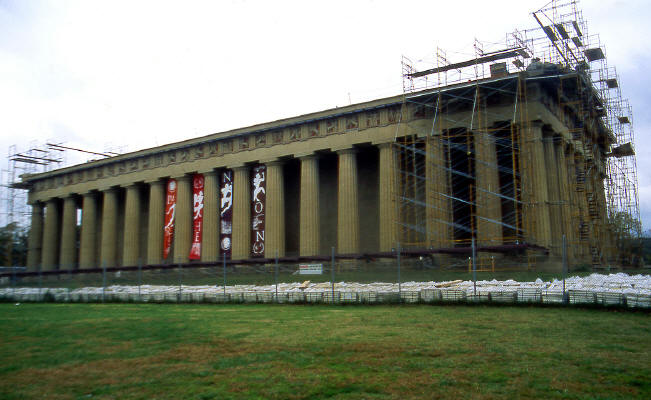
(310, 269)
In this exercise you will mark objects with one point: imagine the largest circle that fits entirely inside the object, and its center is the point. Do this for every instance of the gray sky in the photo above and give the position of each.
(135, 74)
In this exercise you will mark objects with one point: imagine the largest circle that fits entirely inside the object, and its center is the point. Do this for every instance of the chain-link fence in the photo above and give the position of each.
(402, 276)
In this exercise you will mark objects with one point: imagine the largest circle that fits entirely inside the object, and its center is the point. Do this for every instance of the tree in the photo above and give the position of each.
(13, 245)
(627, 233)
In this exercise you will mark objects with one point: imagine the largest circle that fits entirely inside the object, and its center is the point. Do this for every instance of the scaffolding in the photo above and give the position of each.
(36, 159)
(469, 168)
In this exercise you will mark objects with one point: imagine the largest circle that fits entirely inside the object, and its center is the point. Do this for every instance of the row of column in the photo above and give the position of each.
(53, 237)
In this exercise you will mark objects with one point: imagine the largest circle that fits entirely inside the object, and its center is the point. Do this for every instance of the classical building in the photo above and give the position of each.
(511, 160)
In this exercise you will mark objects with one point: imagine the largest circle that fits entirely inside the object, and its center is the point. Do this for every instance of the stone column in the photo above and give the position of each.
(68, 255)
(275, 213)
(536, 194)
(309, 207)
(35, 239)
(131, 249)
(51, 236)
(155, 222)
(88, 240)
(551, 166)
(438, 211)
(183, 222)
(241, 214)
(488, 208)
(210, 233)
(565, 189)
(108, 248)
(347, 204)
(387, 198)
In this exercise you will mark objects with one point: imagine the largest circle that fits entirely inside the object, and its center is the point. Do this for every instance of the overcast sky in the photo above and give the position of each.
(102, 75)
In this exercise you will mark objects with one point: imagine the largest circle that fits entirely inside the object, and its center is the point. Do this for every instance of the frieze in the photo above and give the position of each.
(393, 115)
(199, 151)
(313, 129)
(122, 168)
(352, 122)
(277, 137)
(99, 172)
(171, 157)
(69, 179)
(332, 125)
(244, 143)
(110, 170)
(133, 165)
(213, 149)
(372, 119)
(146, 162)
(59, 182)
(185, 155)
(261, 140)
(227, 146)
(294, 133)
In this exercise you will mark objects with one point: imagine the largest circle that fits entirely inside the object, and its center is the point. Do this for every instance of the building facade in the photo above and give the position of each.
(507, 160)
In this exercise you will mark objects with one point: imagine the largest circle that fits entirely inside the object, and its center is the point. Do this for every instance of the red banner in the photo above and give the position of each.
(170, 211)
(258, 200)
(226, 213)
(197, 216)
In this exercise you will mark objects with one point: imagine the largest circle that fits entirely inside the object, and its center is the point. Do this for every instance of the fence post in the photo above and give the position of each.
(565, 297)
(180, 281)
(474, 267)
(224, 265)
(276, 276)
(332, 272)
(40, 280)
(399, 280)
(139, 279)
(69, 281)
(13, 282)
(103, 281)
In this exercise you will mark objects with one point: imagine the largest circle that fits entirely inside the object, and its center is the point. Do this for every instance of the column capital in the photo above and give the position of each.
(306, 156)
(349, 150)
(109, 189)
(155, 181)
(384, 145)
(182, 177)
(208, 172)
(89, 193)
(273, 162)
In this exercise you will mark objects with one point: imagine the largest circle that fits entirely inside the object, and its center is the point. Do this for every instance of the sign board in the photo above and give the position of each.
(310, 269)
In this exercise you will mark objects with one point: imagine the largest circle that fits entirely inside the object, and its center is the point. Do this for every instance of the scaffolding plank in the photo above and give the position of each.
(594, 54)
(469, 63)
(561, 31)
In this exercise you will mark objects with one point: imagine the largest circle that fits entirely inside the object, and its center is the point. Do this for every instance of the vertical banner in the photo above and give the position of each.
(197, 216)
(226, 213)
(170, 211)
(258, 197)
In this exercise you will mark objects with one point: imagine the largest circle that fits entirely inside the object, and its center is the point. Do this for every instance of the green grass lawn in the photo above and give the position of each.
(144, 351)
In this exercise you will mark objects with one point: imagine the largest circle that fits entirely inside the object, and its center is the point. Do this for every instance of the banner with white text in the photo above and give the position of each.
(170, 211)
(197, 216)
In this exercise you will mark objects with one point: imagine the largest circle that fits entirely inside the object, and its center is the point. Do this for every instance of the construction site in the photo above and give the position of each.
(519, 157)
(472, 174)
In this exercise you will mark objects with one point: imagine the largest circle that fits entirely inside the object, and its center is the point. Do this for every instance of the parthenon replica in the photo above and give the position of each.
(517, 149)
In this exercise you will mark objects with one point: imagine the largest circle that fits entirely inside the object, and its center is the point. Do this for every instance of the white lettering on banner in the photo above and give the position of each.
(257, 186)
(198, 204)
(227, 197)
